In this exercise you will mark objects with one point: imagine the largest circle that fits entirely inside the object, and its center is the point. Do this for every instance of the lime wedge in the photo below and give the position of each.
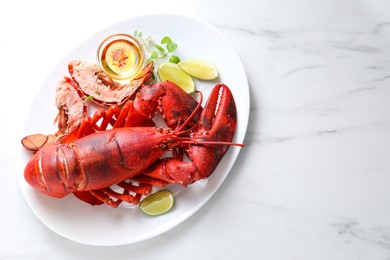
(158, 203)
(200, 69)
(172, 72)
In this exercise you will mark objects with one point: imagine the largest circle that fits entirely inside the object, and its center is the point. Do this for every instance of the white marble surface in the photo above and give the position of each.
(313, 181)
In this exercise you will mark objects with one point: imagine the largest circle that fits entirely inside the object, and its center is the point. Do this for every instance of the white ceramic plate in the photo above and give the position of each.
(102, 225)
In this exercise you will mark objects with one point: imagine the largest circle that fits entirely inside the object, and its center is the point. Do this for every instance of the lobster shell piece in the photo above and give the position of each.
(100, 88)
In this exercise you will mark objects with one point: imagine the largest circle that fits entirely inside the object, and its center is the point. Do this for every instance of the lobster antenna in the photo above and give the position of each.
(193, 112)
(189, 141)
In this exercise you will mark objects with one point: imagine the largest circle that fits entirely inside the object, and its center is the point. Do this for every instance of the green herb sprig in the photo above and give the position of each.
(166, 48)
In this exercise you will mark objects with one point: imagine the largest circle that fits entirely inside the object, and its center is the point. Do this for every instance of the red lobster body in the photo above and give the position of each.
(97, 161)
(94, 162)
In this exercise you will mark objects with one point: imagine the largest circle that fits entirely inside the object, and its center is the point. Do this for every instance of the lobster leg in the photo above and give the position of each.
(130, 116)
(98, 197)
(112, 198)
(108, 196)
(211, 140)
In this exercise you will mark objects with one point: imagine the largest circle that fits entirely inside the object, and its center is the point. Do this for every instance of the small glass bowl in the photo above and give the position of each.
(132, 44)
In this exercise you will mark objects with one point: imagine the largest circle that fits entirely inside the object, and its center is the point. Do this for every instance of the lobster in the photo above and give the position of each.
(121, 146)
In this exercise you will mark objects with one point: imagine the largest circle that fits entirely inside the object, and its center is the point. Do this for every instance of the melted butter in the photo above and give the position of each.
(121, 58)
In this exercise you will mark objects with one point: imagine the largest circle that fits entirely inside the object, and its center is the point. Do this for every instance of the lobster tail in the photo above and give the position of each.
(55, 175)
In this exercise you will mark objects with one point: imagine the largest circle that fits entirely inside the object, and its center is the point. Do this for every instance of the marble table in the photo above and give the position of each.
(313, 179)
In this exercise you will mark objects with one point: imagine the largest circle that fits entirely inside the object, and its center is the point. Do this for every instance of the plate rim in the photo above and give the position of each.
(233, 151)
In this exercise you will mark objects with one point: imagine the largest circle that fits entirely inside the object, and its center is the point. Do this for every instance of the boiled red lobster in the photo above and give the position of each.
(122, 146)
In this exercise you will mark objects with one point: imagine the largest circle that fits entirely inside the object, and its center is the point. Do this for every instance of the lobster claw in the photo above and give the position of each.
(215, 132)
(173, 102)
(211, 140)
(219, 118)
